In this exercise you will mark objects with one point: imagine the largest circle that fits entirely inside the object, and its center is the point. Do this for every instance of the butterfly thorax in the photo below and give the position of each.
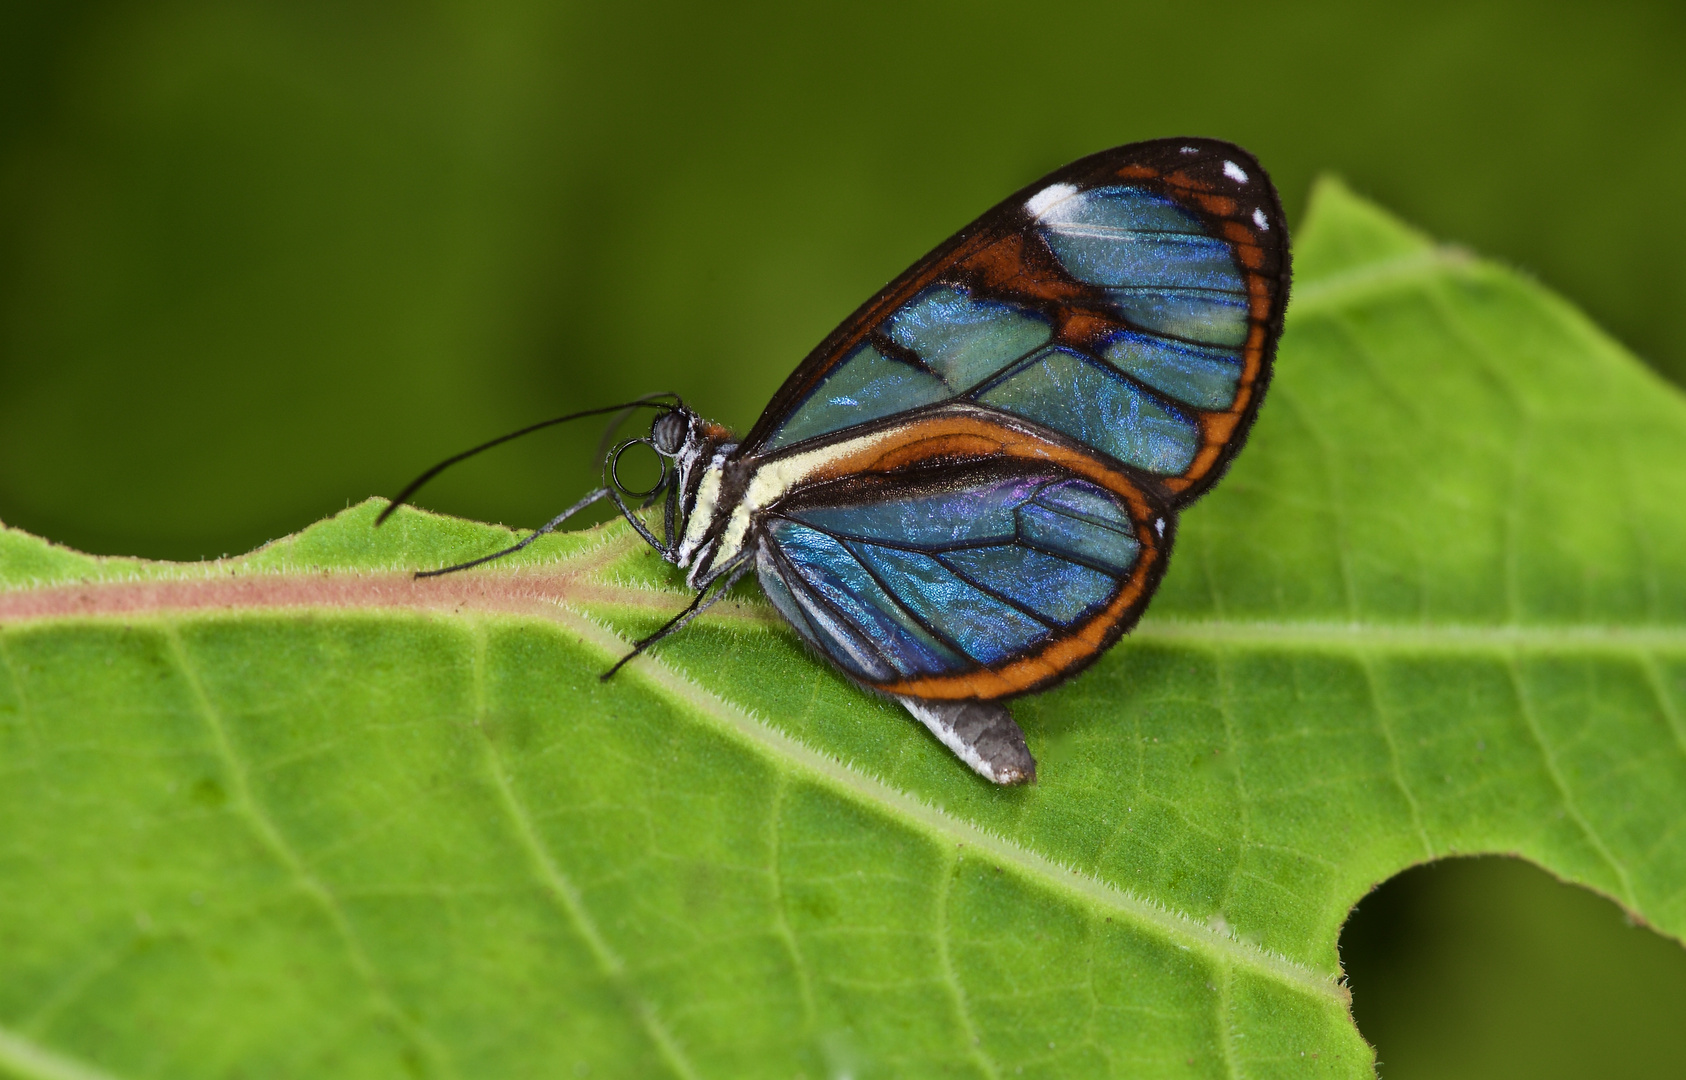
(719, 491)
(701, 452)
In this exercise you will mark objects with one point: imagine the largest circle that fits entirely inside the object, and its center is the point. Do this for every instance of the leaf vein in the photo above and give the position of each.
(1665, 701)
(957, 992)
(269, 835)
(563, 892)
(1531, 723)
(1367, 664)
(781, 922)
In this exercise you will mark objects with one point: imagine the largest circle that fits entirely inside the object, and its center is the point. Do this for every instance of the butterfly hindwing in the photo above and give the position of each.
(963, 579)
(1129, 304)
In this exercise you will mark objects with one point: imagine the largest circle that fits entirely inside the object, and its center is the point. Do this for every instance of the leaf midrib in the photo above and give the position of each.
(536, 589)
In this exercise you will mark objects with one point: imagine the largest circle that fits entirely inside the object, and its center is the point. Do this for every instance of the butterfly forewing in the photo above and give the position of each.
(1128, 304)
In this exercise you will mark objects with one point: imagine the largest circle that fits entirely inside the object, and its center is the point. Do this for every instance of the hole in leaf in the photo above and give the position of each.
(1492, 968)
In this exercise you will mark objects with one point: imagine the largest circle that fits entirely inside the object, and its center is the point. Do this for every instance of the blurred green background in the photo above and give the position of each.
(1475, 969)
(258, 260)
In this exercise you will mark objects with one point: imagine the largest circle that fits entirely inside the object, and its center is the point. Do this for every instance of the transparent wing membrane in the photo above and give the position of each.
(901, 582)
(1130, 302)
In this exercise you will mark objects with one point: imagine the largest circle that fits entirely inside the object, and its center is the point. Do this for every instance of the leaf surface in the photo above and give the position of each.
(295, 813)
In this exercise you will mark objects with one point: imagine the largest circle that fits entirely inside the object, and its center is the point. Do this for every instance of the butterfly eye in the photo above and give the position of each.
(639, 469)
(667, 433)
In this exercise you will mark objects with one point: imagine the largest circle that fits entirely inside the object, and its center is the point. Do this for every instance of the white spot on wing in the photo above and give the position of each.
(1191, 149)
(1235, 172)
(1260, 220)
(1040, 202)
(1159, 526)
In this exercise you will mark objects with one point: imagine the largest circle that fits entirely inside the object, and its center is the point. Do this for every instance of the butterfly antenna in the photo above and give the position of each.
(415, 485)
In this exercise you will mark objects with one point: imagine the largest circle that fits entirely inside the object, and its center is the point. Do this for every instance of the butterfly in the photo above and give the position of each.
(970, 489)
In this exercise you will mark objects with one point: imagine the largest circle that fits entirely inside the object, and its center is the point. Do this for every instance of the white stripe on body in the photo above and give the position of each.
(767, 485)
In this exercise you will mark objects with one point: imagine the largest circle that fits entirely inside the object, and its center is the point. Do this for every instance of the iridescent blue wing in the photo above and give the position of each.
(969, 489)
(1128, 305)
(973, 580)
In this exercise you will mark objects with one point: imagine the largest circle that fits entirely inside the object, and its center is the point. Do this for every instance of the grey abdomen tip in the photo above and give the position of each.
(982, 734)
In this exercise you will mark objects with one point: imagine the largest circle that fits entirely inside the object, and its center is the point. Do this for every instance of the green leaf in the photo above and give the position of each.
(298, 814)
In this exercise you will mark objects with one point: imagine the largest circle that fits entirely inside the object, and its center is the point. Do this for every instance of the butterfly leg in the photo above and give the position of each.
(735, 572)
(981, 733)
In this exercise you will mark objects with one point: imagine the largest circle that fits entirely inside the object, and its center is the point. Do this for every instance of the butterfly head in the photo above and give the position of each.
(688, 447)
(682, 437)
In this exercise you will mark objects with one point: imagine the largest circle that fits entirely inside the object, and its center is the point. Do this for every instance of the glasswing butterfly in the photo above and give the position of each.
(970, 489)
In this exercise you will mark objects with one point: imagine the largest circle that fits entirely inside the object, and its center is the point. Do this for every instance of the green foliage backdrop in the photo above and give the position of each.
(1436, 609)
(260, 260)
(264, 258)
